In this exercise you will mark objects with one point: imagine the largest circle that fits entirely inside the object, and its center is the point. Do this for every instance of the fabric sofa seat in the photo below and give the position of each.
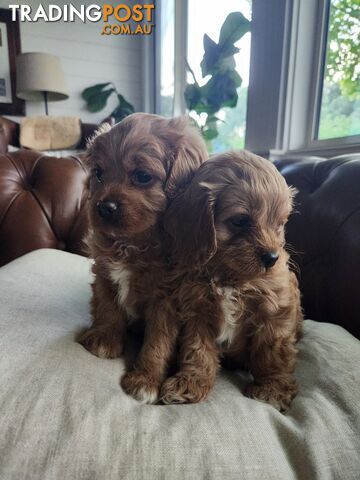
(64, 416)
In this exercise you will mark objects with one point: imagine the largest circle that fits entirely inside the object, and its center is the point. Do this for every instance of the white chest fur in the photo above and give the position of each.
(120, 275)
(230, 308)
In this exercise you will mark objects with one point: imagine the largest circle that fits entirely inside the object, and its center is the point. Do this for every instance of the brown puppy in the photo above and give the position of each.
(232, 291)
(136, 167)
(241, 301)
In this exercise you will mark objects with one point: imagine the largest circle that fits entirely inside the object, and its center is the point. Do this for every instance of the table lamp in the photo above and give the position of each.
(40, 77)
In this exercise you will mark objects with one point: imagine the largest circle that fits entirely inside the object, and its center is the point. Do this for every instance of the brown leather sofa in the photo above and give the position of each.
(325, 233)
(42, 204)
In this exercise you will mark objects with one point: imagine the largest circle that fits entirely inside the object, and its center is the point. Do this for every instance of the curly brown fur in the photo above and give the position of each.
(232, 286)
(136, 167)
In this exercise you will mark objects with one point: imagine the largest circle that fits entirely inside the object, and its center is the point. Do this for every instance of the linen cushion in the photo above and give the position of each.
(50, 133)
(64, 416)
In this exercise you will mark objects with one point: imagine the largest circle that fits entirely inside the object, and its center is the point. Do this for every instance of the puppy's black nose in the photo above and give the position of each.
(107, 209)
(269, 259)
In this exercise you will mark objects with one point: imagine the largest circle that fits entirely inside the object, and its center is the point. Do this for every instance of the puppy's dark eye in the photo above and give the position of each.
(97, 172)
(240, 222)
(141, 177)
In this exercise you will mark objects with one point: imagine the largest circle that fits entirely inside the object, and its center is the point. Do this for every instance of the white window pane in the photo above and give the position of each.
(340, 105)
(167, 29)
(207, 16)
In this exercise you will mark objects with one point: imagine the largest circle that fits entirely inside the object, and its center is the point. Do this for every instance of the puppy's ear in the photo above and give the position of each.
(189, 221)
(186, 152)
(90, 142)
(292, 194)
(88, 158)
(103, 128)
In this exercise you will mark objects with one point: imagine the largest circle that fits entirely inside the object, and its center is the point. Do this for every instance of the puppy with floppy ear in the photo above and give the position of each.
(237, 297)
(136, 167)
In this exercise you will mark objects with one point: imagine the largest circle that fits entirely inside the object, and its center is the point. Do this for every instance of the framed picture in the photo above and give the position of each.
(9, 48)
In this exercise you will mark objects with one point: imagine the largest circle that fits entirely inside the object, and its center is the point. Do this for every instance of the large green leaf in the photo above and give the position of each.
(94, 90)
(125, 105)
(210, 130)
(211, 56)
(228, 50)
(234, 27)
(192, 96)
(118, 114)
(122, 110)
(220, 90)
(218, 61)
(209, 133)
(202, 107)
(236, 78)
(98, 101)
(231, 102)
(96, 98)
(217, 58)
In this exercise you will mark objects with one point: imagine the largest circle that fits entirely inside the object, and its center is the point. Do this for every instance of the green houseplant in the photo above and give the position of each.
(218, 62)
(97, 96)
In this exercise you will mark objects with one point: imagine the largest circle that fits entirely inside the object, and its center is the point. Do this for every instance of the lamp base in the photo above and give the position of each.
(46, 103)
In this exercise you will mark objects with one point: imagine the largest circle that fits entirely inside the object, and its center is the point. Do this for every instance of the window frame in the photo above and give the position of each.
(304, 79)
(180, 53)
(285, 35)
(267, 85)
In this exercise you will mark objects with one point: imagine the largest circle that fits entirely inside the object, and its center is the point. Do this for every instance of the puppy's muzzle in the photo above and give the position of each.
(107, 210)
(269, 259)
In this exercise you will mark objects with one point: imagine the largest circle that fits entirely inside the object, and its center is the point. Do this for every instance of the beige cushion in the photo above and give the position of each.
(64, 416)
(50, 133)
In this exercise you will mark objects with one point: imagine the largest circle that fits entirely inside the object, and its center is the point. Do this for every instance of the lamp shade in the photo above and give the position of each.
(37, 73)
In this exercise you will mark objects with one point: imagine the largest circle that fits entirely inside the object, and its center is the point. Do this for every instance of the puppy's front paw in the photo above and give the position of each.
(278, 394)
(141, 386)
(103, 344)
(185, 388)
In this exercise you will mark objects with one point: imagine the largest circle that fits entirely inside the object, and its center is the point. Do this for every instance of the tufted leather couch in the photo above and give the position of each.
(42, 202)
(325, 233)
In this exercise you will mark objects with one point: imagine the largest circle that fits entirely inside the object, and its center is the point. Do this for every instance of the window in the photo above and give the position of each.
(167, 39)
(340, 104)
(320, 92)
(300, 89)
(181, 35)
(208, 17)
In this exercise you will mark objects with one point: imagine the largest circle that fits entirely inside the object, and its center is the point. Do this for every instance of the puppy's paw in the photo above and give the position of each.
(185, 388)
(141, 386)
(103, 344)
(278, 394)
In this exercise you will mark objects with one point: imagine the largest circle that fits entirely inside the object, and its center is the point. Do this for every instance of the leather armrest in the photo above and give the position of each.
(324, 232)
(42, 204)
(9, 134)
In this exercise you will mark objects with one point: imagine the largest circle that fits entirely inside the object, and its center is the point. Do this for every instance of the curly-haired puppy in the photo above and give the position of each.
(235, 295)
(136, 167)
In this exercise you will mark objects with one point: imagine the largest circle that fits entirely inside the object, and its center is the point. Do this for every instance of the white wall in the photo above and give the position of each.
(87, 58)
